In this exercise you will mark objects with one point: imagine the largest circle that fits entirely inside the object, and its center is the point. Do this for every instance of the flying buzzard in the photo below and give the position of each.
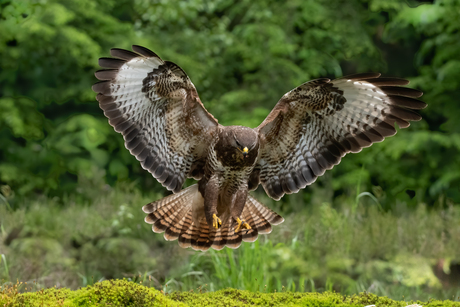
(156, 108)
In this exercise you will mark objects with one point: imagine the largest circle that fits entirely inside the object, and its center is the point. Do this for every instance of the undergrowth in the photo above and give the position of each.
(357, 246)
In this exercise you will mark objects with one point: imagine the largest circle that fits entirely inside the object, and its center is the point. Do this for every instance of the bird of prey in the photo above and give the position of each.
(156, 108)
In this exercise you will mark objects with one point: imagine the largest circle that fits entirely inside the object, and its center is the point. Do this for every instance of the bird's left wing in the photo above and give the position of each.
(313, 126)
(156, 108)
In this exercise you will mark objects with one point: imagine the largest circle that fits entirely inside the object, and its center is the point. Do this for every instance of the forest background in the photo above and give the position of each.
(386, 220)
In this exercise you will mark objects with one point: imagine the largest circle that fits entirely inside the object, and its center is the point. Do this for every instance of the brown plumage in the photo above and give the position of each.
(156, 108)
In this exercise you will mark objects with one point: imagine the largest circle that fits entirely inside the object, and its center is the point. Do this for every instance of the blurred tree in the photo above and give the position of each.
(429, 158)
(49, 53)
(242, 56)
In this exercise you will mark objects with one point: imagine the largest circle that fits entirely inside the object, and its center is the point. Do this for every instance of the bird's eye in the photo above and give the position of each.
(237, 143)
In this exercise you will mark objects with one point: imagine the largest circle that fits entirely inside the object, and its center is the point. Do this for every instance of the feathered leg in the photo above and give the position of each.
(237, 208)
(211, 196)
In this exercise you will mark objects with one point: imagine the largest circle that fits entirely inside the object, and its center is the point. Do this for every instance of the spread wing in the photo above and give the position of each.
(313, 126)
(156, 108)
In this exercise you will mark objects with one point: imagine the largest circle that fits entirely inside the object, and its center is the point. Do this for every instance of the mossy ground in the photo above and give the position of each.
(106, 293)
(126, 293)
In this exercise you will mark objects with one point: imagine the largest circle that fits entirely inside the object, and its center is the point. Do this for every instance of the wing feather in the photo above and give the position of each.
(156, 108)
(313, 126)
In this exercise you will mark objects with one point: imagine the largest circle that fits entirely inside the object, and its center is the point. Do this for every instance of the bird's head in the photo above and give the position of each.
(245, 141)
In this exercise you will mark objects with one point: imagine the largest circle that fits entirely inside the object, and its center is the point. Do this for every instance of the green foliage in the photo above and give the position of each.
(47, 142)
(242, 58)
(438, 62)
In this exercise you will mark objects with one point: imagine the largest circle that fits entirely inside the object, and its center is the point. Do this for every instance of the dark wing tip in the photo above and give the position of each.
(274, 189)
(369, 75)
(102, 87)
(106, 74)
(401, 91)
(407, 102)
(123, 54)
(386, 81)
(405, 114)
(144, 51)
(111, 63)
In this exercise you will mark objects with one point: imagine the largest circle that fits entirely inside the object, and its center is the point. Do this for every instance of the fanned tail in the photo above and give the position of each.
(181, 216)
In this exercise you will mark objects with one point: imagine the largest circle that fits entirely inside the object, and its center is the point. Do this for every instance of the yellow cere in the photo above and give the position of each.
(245, 149)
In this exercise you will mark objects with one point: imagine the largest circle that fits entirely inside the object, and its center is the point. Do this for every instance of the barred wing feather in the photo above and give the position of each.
(313, 126)
(156, 108)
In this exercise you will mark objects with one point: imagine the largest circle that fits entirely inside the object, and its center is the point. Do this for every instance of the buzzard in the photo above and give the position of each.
(156, 108)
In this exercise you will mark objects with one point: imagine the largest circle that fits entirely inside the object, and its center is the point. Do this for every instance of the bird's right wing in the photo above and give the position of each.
(156, 108)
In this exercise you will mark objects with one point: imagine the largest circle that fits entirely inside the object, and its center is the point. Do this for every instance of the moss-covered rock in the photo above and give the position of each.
(121, 293)
(126, 293)
(106, 293)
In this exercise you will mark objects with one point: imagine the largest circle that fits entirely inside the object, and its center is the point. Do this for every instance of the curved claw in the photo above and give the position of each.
(241, 224)
(216, 222)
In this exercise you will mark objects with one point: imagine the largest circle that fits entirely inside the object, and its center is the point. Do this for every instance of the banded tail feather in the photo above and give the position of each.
(181, 217)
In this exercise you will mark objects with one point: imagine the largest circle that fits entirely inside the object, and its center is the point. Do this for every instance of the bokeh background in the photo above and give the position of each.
(386, 220)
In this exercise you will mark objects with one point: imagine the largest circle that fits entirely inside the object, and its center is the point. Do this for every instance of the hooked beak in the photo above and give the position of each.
(245, 152)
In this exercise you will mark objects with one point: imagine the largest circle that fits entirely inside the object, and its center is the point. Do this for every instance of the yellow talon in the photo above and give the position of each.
(241, 224)
(216, 221)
